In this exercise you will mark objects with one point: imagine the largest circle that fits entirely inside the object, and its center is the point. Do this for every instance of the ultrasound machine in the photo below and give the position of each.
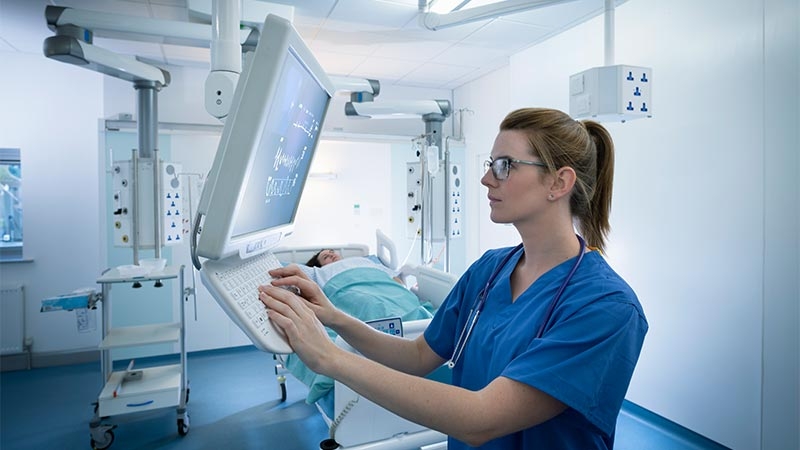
(250, 199)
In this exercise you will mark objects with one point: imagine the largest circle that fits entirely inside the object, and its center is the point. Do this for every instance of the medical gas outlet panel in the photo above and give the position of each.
(176, 223)
(453, 204)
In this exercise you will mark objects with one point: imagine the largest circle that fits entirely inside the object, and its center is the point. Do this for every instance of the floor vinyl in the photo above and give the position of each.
(234, 403)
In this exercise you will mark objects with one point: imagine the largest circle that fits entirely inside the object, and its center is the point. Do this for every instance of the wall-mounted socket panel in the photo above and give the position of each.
(413, 200)
(175, 219)
(456, 202)
(611, 93)
(176, 223)
(415, 203)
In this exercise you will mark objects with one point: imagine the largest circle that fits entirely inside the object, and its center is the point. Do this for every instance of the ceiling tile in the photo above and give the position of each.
(378, 67)
(378, 14)
(413, 50)
(347, 42)
(470, 55)
(312, 8)
(560, 14)
(437, 74)
(504, 34)
(22, 25)
(339, 63)
(379, 39)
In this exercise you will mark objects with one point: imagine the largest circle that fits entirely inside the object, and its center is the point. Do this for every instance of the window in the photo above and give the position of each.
(10, 204)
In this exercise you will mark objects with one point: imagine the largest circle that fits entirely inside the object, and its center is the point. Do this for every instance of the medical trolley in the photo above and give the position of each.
(139, 389)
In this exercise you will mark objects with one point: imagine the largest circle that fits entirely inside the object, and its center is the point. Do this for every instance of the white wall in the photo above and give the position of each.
(50, 111)
(705, 213)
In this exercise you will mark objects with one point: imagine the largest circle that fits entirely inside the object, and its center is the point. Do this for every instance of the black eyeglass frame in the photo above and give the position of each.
(497, 171)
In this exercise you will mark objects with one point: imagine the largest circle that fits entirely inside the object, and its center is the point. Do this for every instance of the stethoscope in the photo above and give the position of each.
(477, 307)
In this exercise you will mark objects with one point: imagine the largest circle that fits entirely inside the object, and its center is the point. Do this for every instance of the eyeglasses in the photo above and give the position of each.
(501, 166)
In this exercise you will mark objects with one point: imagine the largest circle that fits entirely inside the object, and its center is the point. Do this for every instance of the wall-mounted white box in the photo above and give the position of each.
(611, 93)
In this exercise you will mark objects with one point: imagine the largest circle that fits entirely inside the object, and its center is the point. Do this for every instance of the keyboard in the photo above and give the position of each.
(233, 283)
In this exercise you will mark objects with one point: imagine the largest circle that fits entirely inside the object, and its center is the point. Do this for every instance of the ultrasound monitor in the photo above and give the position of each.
(250, 199)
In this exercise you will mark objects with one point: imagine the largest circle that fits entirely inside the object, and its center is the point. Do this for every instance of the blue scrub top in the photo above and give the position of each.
(585, 358)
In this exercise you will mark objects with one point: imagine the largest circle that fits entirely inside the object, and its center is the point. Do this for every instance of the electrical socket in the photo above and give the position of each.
(611, 93)
(413, 200)
(456, 201)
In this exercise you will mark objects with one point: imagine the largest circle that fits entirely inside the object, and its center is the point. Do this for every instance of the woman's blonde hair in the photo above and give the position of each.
(586, 146)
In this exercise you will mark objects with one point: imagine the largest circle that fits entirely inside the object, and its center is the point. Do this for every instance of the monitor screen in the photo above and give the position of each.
(253, 190)
(283, 157)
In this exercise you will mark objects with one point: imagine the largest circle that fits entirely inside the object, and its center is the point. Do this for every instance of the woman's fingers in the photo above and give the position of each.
(289, 270)
(281, 300)
(304, 332)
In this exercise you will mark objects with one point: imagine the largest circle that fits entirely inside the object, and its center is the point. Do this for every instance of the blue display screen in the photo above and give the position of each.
(285, 149)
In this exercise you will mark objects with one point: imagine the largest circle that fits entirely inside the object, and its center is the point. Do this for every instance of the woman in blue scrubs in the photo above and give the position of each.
(542, 338)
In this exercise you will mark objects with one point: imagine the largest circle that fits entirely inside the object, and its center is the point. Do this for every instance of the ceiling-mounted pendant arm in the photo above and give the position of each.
(433, 21)
(608, 24)
(360, 89)
(226, 58)
(398, 109)
(142, 29)
(71, 50)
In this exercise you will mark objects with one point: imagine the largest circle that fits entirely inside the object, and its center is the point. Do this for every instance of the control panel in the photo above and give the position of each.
(391, 325)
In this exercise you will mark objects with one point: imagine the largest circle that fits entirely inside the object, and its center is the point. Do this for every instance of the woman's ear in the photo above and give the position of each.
(563, 182)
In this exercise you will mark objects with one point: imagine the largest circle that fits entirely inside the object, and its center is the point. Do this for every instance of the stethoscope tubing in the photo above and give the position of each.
(477, 307)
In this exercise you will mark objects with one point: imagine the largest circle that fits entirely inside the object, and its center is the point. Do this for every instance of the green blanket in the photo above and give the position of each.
(365, 293)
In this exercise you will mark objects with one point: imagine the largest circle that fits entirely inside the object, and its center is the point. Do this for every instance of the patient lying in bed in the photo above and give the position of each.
(364, 289)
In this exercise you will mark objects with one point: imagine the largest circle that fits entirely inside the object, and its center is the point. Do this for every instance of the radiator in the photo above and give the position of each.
(12, 319)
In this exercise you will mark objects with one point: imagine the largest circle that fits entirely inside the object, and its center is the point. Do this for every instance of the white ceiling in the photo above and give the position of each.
(379, 39)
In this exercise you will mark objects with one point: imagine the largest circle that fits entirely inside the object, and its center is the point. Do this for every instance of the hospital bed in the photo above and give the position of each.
(354, 422)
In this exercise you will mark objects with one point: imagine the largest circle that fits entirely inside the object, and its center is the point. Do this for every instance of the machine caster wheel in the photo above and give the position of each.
(108, 439)
(329, 444)
(183, 426)
(282, 386)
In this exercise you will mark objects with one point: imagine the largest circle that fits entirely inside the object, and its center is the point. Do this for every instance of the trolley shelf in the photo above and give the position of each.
(138, 390)
(158, 387)
(141, 335)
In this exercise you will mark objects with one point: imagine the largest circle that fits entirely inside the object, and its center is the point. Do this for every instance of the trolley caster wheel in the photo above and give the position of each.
(108, 439)
(183, 426)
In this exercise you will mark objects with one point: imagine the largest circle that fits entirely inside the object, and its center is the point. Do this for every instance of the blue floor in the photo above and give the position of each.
(233, 404)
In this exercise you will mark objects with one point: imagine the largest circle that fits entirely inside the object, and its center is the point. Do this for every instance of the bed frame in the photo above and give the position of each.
(359, 424)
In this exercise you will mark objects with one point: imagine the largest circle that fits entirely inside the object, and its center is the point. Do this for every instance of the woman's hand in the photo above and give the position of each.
(305, 333)
(295, 280)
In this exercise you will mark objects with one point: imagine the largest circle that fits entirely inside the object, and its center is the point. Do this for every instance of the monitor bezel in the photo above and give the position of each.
(252, 98)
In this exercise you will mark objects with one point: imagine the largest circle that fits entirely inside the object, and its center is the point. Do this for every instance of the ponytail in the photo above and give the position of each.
(594, 224)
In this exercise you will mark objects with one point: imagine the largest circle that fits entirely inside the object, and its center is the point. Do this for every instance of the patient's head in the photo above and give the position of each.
(324, 257)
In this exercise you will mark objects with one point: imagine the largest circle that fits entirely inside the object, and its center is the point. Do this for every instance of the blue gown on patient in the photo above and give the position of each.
(585, 358)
